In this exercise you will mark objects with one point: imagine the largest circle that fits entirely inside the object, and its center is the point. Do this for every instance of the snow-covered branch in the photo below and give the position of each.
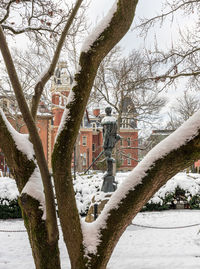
(94, 50)
(171, 155)
(34, 136)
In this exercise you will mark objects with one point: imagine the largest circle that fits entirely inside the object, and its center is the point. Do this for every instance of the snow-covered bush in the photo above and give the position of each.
(182, 188)
(9, 207)
(85, 187)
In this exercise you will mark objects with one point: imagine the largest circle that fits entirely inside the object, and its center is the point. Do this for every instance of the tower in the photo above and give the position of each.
(60, 88)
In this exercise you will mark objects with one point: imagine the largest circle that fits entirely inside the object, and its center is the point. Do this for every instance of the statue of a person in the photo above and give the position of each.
(110, 138)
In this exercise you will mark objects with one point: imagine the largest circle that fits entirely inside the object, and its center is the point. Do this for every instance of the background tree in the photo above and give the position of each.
(88, 245)
(182, 109)
(121, 83)
(182, 59)
(124, 77)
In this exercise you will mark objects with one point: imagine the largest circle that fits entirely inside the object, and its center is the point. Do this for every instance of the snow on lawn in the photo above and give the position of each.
(144, 248)
(140, 248)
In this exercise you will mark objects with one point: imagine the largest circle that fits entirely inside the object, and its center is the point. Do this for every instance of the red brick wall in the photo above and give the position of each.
(43, 127)
(132, 149)
(126, 149)
(98, 144)
(86, 149)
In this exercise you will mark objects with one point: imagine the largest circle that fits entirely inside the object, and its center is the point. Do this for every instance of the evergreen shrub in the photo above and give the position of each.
(9, 209)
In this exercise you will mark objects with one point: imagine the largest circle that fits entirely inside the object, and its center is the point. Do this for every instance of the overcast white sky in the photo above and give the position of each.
(165, 36)
(98, 8)
(145, 9)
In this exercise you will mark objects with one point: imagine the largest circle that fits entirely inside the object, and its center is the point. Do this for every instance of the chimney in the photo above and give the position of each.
(96, 112)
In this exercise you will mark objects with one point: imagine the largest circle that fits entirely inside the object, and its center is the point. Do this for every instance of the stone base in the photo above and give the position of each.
(100, 206)
(109, 184)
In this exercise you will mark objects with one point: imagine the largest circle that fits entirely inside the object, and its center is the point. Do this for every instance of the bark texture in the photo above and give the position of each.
(119, 218)
(46, 256)
(34, 137)
(63, 149)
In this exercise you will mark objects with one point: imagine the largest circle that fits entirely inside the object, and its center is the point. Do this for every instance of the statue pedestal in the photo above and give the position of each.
(109, 184)
(101, 198)
(100, 202)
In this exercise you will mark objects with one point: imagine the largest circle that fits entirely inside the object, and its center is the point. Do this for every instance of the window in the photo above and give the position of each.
(94, 127)
(93, 147)
(58, 81)
(121, 141)
(60, 100)
(65, 80)
(128, 141)
(123, 125)
(84, 159)
(84, 141)
(129, 160)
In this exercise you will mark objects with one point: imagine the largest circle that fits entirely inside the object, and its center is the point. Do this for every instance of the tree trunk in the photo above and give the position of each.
(46, 256)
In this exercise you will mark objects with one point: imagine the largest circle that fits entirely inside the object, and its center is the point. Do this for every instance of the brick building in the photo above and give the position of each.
(90, 139)
(44, 118)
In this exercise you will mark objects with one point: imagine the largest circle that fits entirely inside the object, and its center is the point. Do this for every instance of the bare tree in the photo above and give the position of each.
(183, 108)
(182, 59)
(89, 246)
(124, 78)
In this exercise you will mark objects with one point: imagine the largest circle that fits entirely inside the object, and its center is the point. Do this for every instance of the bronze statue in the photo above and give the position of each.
(110, 138)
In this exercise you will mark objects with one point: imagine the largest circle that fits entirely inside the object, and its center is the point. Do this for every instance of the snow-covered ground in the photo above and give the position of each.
(141, 248)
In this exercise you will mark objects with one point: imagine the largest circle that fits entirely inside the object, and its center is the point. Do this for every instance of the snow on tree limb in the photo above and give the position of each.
(104, 23)
(21, 140)
(34, 188)
(65, 116)
(61, 158)
(154, 170)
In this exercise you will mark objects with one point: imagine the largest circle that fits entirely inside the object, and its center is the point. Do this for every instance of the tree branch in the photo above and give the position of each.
(61, 158)
(148, 23)
(22, 168)
(40, 85)
(14, 157)
(7, 11)
(173, 154)
(35, 139)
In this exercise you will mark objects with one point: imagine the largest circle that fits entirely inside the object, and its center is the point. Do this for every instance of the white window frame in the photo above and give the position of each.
(84, 159)
(84, 140)
(129, 160)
